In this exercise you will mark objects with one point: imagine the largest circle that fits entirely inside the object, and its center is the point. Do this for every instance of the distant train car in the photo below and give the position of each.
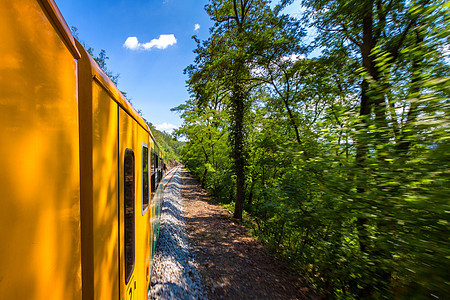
(80, 172)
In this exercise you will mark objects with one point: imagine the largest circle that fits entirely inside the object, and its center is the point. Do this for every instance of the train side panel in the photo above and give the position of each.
(116, 227)
(152, 206)
(135, 253)
(76, 216)
(128, 209)
(106, 194)
(157, 194)
(40, 255)
(99, 184)
(143, 254)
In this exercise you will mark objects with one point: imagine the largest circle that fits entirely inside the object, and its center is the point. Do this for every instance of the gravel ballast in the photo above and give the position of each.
(175, 274)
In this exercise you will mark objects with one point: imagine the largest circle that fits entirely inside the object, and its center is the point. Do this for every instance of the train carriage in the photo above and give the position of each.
(80, 170)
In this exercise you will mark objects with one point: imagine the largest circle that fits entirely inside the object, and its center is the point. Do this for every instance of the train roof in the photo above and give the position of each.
(98, 75)
(61, 26)
(101, 78)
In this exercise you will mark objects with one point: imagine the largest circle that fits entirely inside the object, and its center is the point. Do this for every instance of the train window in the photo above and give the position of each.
(145, 183)
(153, 172)
(160, 168)
(157, 169)
(129, 195)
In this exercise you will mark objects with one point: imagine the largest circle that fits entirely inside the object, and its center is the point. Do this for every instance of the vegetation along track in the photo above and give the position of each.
(204, 254)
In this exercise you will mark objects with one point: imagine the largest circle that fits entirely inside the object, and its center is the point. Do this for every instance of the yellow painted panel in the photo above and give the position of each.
(105, 194)
(156, 203)
(151, 217)
(39, 158)
(143, 257)
(133, 136)
(128, 140)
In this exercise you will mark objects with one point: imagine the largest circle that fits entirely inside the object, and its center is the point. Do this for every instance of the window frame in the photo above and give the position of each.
(128, 270)
(148, 194)
(153, 175)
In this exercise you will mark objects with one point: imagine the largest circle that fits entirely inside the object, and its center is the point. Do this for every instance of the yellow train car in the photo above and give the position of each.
(80, 172)
(40, 252)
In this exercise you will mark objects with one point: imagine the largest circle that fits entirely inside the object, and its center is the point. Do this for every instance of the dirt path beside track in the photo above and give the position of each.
(232, 264)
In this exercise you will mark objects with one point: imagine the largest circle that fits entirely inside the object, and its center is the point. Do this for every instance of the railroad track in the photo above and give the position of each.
(171, 173)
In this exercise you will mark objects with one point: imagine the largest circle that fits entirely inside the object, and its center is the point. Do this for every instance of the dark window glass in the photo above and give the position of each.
(160, 169)
(129, 213)
(159, 175)
(153, 172)
(157, 169)
(145, 187)
(152, 161)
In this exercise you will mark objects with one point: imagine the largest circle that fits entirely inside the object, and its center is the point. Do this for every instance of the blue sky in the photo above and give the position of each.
(148, 43)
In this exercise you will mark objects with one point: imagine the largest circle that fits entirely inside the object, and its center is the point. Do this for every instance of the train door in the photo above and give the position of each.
(103, 246)
(129, 163)
(154, 185)
(151, 220)
(143, 221)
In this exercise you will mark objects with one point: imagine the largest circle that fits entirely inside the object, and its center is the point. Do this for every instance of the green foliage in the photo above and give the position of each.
(347, 154)
(207, 153)
(169, 145)
(241, 40)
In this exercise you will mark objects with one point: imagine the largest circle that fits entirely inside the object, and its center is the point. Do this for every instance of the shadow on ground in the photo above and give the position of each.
(233, 265)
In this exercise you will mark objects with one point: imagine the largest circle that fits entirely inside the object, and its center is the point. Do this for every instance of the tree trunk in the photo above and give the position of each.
(361, 158)
(405, 140)
(239, 151)
(203, 183)
(292, 119)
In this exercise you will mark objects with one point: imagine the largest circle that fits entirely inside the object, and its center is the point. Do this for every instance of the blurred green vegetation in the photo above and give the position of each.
(169, 145)
(346, 154)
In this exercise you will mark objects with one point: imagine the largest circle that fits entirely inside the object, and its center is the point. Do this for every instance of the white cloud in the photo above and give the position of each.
(167, 127)
(164, 41)
(131, 43)
(196, 27)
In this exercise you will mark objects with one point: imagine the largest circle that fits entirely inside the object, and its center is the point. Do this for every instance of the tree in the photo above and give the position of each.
(400, 60)
(393, 41)
(347, 154)
(206, 151)
(243, 32)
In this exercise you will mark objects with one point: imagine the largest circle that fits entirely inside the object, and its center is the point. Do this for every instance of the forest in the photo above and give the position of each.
(168, 145)
(327, 132)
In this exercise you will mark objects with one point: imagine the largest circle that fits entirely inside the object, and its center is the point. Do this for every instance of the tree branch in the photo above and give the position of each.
(347, 34)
